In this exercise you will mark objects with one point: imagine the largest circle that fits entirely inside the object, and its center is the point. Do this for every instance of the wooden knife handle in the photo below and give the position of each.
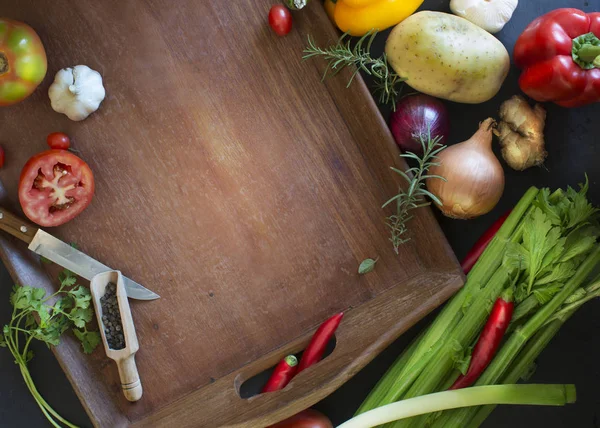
(17, 227)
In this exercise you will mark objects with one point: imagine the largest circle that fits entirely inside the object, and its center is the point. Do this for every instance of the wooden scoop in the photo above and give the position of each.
(125, 358)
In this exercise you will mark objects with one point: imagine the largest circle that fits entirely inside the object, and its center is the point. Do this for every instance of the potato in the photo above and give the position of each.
(448, 57)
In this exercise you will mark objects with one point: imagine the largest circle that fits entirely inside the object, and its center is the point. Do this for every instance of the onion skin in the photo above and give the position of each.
(415, 115)
(474, 176)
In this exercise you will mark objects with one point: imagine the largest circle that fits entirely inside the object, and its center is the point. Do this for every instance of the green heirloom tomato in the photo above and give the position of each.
(23, 61)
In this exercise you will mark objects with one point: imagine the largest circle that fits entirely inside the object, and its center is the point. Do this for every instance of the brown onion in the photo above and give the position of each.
(474, 177)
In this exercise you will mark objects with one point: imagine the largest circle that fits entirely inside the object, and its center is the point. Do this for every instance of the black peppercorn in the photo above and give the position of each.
(111, 318)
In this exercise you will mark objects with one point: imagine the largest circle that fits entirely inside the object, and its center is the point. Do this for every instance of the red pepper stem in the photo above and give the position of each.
(282, 374)
(508, 294)
(291, 360)
(586, 51)
(589, 52)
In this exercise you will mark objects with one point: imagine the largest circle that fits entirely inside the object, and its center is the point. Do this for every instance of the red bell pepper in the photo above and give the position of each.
(560, 55)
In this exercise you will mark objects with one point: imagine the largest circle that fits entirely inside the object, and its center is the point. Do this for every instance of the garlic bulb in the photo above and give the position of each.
(76, 92)
(491, 15)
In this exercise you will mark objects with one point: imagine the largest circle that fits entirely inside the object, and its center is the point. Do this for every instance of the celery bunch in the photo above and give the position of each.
(545, 252)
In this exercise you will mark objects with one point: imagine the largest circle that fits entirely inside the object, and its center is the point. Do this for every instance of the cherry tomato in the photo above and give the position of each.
(23, 61)
(280, 19)
(306, 419)
(55, 186)
(58, 141)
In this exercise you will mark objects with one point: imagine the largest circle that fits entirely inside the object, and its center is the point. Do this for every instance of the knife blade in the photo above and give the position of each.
(65, 255)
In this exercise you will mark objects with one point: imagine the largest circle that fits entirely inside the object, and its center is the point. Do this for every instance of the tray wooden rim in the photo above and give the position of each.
(439, 280)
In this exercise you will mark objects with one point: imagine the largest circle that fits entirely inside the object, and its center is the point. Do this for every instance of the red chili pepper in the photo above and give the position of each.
(315, 349)
(489, 340)
(283, 373)
(481, 244)
(560, 55)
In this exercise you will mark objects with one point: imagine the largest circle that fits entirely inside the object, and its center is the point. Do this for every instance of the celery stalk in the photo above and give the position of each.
(523, 309)
(527, 357)
(379, 390)
(535, 346)
(396, 382)
(464, 334)
(548, 395)
(522, 334)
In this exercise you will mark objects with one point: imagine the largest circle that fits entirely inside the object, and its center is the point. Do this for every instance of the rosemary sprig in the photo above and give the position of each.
(415, 196)
(388, 84)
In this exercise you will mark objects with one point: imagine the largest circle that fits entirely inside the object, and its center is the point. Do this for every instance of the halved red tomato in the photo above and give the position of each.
(55, 186)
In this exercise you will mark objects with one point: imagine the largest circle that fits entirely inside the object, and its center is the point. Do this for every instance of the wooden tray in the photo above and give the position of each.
(238, 186)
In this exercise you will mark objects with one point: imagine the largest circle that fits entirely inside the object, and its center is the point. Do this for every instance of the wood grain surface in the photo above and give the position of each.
(234, 183)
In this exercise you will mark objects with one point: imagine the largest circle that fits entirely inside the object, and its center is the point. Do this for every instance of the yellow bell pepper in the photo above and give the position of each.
(358, 17)
(330, 9)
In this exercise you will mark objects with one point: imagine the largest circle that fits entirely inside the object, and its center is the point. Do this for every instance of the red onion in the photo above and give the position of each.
(414, 116)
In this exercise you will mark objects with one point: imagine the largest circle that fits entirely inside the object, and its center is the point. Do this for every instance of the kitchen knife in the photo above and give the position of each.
(64, 254)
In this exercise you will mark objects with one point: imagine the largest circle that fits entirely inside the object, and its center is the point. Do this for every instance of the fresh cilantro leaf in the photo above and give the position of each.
(44, 260)
(64, 303)
(43, 312)
(80, 317)
(69, 281)
(51, 334)
(29, 356)
(67, 278)
(81, 296)
(38, 294)
(21, 297)
(89, 339)
(2, 341)
(30, 321)
(546, 293)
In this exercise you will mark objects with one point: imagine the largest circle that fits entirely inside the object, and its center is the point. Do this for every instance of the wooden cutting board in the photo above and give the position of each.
(238, 186)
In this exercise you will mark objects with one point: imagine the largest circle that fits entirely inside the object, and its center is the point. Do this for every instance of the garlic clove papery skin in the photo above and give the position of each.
(491, 15)
(77, 92)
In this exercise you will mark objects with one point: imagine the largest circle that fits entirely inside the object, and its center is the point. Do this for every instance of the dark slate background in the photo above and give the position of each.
(572, 139)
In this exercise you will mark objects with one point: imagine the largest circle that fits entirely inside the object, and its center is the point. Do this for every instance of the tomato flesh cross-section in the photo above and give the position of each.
(55, 186)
